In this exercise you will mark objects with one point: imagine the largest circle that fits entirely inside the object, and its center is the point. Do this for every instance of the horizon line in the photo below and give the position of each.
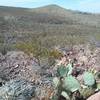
(88, 12)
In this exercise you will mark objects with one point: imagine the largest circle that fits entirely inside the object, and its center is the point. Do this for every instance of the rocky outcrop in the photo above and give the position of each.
(87, 58)
(18, 70)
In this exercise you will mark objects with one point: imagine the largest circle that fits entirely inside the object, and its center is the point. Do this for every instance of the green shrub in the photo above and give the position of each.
(4, 48)
(55, 53)
(51, 61)
(34, 48)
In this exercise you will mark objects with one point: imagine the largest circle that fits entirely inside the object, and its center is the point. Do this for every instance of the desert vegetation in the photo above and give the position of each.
(49, 53)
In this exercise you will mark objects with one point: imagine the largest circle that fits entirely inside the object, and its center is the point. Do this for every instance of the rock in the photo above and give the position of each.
(96, 96)
(17, 90)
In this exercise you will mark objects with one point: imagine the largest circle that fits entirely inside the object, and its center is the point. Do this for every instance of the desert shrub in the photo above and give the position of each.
(34, 48)
(55, 53)
(92, 47)
(1, 39)
(52, 55)
(51, 61)
(39, 51)
(4, 48)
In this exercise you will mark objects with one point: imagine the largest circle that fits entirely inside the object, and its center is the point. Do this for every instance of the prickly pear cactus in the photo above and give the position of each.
(62, 71)
(55, 81)
(71, 84)
(89, 79)
(65, 95)
(69, 69)
(65, 70)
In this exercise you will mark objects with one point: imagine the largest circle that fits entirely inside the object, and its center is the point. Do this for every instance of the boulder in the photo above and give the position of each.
(96, 96)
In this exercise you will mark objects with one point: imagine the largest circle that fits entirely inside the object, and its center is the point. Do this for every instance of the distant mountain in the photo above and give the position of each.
(51, 12)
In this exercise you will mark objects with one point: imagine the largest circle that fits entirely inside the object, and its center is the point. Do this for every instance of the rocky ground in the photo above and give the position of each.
(21, 77)
(16, 65)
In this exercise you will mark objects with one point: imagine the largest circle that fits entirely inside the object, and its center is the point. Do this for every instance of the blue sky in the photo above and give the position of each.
(81, 5)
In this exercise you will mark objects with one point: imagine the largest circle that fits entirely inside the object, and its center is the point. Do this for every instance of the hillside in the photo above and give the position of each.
(51, 24)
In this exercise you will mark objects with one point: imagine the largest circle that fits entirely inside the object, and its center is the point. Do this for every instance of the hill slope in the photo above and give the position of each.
(47, 23)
